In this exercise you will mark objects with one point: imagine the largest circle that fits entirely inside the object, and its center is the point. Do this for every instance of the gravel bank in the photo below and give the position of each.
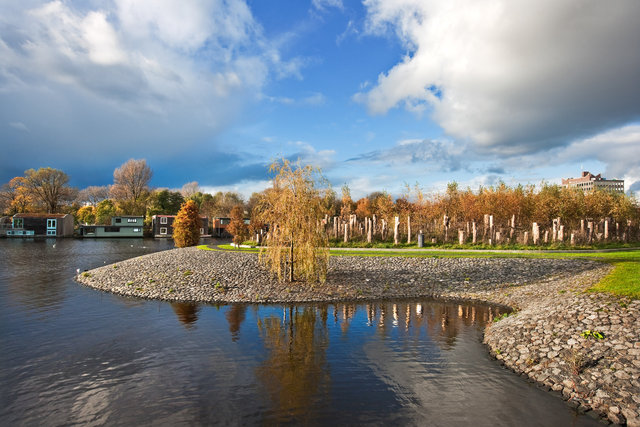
(542, 340)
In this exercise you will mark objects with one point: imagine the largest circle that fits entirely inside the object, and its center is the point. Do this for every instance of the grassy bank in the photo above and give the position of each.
(624, 280)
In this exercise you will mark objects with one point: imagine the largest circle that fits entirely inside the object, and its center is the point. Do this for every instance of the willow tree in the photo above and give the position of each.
(296, 245)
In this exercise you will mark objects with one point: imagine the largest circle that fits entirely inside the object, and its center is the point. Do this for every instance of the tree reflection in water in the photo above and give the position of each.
(295, 373)
(187, 313)
(235, 316)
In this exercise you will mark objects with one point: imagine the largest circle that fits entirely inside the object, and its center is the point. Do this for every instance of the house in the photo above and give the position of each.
(220, 225)
(41, 224)
(121, 226)
(162, 226)
(5, 224)
(589, 182)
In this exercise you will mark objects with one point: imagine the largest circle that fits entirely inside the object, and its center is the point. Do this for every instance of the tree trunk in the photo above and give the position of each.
(291, 263)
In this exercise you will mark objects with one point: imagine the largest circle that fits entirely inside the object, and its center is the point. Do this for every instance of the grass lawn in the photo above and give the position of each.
(624, 280)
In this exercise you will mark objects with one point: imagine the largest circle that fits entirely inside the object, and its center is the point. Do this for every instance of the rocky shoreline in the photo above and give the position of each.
(544, 339)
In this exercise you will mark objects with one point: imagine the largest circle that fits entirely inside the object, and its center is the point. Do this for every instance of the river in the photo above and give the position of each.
(74, 355)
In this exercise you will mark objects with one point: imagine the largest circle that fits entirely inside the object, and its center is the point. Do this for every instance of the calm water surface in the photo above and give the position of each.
(73, 355)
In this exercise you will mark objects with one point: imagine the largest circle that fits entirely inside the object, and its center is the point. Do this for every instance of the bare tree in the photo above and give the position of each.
(131, 184)
(49, 186)
(189, 189)
(93, 194)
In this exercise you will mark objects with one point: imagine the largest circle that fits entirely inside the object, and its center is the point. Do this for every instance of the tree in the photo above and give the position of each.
(131, 185)
(93, 195)
(49, 186)
(16, 197)
(164, 202)
(86, 215)
(237, 227)
(186, 227)
(293, 211)
(105, 210)
(189, 189)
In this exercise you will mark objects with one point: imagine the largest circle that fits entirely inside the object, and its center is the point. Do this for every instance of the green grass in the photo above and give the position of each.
(624, 280)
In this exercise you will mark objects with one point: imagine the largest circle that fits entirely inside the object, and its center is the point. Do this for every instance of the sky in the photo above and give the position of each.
(379, 94)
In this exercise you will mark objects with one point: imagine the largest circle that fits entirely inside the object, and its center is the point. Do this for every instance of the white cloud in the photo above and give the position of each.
(325, 4)
(307, 154)
(19, 126)
(438, 155)
(245, 188)
(512, 76)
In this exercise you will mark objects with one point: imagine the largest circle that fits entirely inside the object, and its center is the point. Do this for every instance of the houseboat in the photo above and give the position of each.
(162, 226)
(41, 225)
(121, 226)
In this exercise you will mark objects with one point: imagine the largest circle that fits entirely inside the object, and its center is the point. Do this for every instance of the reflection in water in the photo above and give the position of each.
(295, 373)
(235, 316)
(73, 355)
(187, 313)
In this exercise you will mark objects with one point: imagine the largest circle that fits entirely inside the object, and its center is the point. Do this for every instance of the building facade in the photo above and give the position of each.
(162, 226)
(121, 226)
(41, 225)
(590, 182)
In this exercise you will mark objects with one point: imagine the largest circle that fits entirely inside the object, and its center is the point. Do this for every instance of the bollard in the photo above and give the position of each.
(420, 239)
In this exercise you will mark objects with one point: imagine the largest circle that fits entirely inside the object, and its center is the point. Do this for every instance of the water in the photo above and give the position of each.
(73, 355)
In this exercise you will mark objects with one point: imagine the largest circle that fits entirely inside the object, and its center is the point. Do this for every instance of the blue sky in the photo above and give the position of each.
(378, 93)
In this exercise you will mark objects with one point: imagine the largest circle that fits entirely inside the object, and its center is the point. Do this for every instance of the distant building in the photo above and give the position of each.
(121, 226)
(589, 182)
(220, 225)
(162, 226)
(41, 224)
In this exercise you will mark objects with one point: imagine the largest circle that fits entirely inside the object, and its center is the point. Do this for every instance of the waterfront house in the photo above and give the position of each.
(220, 225)
(162, 226)
(41, 224)
(121, 226)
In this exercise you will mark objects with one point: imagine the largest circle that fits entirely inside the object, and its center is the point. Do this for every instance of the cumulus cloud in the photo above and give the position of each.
(441, 155)
(146, 77)
(512, 76)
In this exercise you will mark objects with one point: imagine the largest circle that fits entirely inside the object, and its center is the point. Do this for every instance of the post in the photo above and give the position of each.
(420, 239)
(474, 230)
(396, 227)
(561, 234)
(525, 239)
(535, 232)
(573, 239)
(346, 232)
(606, 230)
(408, 229)
(461, 237)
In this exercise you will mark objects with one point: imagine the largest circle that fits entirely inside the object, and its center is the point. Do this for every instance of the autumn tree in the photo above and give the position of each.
(86, 215)
(104, 211)
(293, 210)
(49, 187)
(131, 186)
(16, 196)
(186, 226)
(237, 227)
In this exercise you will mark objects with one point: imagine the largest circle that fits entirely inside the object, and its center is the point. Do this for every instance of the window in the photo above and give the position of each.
(112, 229)
(163, 230)
(202, 231)
(51, 232)
(51, 223)
(118, 220)
(136, 230)
(163, 220)
(132, 220)
(18, 222)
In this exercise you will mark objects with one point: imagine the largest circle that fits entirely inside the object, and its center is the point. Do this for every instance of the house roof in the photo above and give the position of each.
(39, 215)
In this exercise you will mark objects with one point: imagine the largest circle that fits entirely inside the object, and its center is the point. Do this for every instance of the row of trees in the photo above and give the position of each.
(47, 190)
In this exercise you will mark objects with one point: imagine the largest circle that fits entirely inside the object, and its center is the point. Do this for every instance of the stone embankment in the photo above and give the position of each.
(545, 339)
(584, 346)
